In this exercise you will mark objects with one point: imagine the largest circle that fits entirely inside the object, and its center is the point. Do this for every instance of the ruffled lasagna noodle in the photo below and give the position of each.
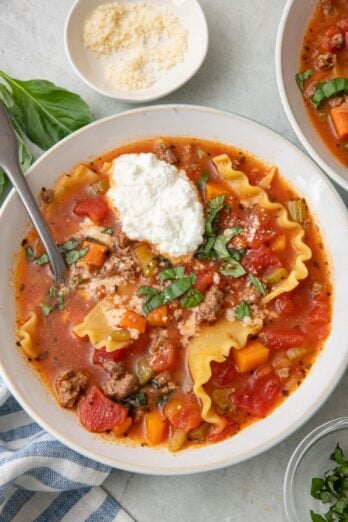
(214, 344)
(25, 333)
(252, 195)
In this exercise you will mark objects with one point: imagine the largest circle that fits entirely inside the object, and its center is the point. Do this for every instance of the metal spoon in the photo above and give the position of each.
(10, 163)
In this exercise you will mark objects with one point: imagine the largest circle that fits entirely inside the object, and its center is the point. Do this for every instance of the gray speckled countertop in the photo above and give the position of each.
(238, 75)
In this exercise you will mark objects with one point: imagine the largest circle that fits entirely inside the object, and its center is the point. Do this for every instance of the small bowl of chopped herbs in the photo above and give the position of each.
(316, 479)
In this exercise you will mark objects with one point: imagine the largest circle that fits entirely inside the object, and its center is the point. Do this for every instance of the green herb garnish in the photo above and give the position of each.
(74, 255)
(192, 298)
(220, 245)
(68, 246)
(242, 310)
(154, 383)
(332, 489)
(257, 284)
(52, 291)
(330, 89)
(161, 401)
(302, 77)
(172, 273)
(137, 400)
(30, 256)
(232, 268)
(46, 309)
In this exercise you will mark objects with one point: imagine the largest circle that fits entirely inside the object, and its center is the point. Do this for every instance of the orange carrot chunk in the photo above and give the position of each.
(250, 357)
(339, 117)
(96, 254)
(155, 427)
(158, 316)
(133, 320)
(278, 244)
(213, 190)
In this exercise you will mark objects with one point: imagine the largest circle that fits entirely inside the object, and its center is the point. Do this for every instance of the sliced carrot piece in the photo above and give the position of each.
(250, 357)
(278, 244)
(339, 117)
(158, 316)
(133, 320)
(155, 427)
(213, 190)
(96, 254)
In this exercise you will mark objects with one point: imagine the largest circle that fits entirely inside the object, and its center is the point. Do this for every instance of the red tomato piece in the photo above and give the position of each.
(98, 413)
(224, 374)
(183, 412)
(229, 430)
(284, 305)
(205, 279)
(259, 395)
(262, 236)
(102, 356)
(319, 314)
(165, 359)
(95, 209)
(259, 260)
(343, 25)
(332, 40)
(282, 338)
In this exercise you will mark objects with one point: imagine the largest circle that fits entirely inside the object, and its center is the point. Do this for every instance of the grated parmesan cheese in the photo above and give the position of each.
(144, 41)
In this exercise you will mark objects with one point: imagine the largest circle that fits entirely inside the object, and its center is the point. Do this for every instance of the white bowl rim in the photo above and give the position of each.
(224, 462)
(286, 104)
(145, 98)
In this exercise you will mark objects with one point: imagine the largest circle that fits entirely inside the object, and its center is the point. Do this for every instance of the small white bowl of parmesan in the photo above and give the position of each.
(133, 50)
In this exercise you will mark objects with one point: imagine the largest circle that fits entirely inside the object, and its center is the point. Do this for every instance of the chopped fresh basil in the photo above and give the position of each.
(52, 291)
(332, 489)
(220, 245)
(330, 89)
(107, 230)
(161, 401)
(41, 260)
(29, 253)
(202, 182)
(68, 246)
(302, 77)
(137, 400)
(46, 309)
(232, 268)
(74, 255)
(60, 301)
(171, 292)
(206, 247)
(30, 256)
(172, 273)
(154, 383)
(242, 311)
(257, 284)
(192, 298)
(215, 205)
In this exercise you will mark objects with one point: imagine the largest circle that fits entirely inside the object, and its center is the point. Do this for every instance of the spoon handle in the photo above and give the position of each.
(9, 161)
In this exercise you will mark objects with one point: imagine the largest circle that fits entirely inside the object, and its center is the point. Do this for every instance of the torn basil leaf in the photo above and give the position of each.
(202, 182)
(242, 310)
(330, 89)
(232, 268)
(302, 77)
(257, 284)
(192, 298)
(172, 273)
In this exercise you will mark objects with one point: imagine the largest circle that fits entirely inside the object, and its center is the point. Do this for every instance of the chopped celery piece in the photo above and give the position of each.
(276, 275)
(177, 440)
(144, 371)
(297, 210)
(146, 259)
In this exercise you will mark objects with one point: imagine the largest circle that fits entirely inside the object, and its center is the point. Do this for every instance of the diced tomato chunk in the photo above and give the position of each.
(98, 413)
(283, 338)
(205, 279)
(262, 236)
(319, 314)
(259, 260)
(284, 305)
(331, 41)
(102, 356)
(343, 25)
(183, 412)
(224, 374)
(259, 395)
(165, 358)
(95, 209)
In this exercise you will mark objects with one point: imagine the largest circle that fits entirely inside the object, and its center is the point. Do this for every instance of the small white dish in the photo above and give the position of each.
(93, 70)
(292, 28)
(179, 120)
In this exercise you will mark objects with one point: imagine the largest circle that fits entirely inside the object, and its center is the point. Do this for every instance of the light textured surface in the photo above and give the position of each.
(238, 75)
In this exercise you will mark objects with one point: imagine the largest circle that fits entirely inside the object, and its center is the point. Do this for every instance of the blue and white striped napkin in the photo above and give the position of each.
(44, 481)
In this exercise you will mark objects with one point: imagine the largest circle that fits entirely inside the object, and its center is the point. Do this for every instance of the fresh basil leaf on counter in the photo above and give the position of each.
(46, 113)
(302, 77)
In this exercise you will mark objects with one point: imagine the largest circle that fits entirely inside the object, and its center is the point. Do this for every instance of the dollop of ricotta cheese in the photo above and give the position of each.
(157, 203)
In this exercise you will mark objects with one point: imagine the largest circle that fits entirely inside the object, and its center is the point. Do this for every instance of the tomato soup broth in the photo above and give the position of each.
(143, 383)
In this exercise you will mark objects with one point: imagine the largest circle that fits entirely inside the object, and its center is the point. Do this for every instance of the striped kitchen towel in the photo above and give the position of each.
(42, 480)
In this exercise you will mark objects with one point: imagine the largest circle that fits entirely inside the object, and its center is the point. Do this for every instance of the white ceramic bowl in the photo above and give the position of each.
(92, 70)
(292, 28)
(104, 135)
